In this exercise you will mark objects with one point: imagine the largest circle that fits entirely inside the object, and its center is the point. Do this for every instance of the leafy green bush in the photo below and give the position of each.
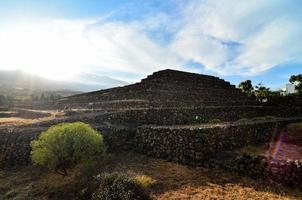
(116, 186)
(64, 145)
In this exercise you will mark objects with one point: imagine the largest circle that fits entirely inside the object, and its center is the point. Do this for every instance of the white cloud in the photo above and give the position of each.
(226, 36)
(62, 48)
(200, 48)
(278, 42)
(265, 34)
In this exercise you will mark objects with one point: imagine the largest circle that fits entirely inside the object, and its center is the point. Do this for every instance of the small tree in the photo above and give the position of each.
(262, 93)
(246, 86)
(64, 145)
(297, 81)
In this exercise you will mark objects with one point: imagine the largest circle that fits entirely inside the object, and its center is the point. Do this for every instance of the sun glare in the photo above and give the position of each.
(48, 50)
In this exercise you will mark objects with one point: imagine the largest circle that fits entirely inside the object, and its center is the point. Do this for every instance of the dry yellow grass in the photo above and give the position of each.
(171, 181)
(19, 121)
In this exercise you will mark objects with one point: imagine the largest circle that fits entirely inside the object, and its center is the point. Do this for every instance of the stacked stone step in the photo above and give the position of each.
(197, 87)
(179, 116)
(169, 88)
(110, 105)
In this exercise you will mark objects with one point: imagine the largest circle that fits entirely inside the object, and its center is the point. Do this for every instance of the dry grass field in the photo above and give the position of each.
(171, 181)
(20, 121)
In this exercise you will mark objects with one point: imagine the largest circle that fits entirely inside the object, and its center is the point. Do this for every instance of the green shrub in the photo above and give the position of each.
(118, 187)
(64, 145)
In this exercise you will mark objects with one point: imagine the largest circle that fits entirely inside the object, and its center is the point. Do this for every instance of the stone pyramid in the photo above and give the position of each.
(166, 88)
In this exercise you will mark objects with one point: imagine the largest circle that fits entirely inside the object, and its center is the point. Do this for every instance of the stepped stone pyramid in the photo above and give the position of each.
(179, 116)
(167, 88)
(167, 97)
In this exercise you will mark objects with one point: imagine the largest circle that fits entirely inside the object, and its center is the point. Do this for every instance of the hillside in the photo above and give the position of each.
(21, 85)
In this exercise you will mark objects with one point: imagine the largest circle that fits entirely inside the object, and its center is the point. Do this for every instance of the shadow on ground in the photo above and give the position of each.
(172, 181)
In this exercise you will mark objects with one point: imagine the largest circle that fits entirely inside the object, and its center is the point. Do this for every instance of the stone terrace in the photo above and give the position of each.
(163, 100)
(172, 97)
(167, 88)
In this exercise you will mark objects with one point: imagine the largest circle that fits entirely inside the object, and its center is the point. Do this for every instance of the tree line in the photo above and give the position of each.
(7, 100)
(262, 93)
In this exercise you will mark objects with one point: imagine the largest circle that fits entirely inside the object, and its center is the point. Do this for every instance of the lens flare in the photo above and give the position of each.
(276, 150)
(283, 146)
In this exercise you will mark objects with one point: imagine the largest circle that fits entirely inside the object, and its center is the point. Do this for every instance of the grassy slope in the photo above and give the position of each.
(172, 181)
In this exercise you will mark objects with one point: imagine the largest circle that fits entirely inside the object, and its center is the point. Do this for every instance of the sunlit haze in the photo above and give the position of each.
(235, 39)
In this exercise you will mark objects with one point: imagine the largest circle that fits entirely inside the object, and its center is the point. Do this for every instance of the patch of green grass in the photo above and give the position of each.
(144, 180)
(295, 126)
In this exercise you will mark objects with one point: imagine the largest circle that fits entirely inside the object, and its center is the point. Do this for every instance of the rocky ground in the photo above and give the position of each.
(171, 181)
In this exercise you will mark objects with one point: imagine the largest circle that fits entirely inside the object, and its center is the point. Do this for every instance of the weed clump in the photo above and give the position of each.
(144, 181)
(116, 186)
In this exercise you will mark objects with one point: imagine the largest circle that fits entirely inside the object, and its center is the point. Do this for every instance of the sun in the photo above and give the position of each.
(47, 50)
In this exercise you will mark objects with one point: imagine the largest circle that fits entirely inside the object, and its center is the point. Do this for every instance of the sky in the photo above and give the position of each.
(260, 40)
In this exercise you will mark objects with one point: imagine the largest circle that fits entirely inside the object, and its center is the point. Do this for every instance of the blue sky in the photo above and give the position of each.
(233, 39)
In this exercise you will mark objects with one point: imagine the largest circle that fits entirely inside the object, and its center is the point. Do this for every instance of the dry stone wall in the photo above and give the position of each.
(185, 115)
(15, 142)
(15, 145)
(189, 145)
(194, 145)
(287, 173)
